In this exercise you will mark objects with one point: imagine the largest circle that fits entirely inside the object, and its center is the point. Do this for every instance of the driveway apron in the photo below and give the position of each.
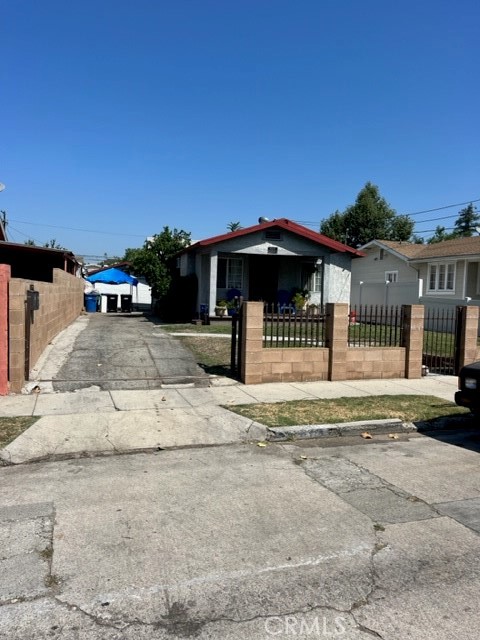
(119, 351)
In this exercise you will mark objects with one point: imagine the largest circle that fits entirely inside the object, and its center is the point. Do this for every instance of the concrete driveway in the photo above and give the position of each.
(117, 351)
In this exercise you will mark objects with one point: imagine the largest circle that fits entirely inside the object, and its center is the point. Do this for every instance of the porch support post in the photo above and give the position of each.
(4, 280)
(198, 271)
(468, 331)
(212, 299)
(413, 327)
(337, 340)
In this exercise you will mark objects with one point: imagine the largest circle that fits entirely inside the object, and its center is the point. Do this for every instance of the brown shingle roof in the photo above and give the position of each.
(407, 249)
(445, 249)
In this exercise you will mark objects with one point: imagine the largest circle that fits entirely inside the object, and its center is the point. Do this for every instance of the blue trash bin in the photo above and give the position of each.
(91, 302)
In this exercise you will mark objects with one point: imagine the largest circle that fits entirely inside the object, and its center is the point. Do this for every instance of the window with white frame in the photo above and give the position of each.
(391, 276)
(312, 277)
(230, 273)
(441, 277)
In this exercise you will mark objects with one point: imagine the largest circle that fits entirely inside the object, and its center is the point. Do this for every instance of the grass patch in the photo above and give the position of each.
(215, 327)
(10, 428)
(405, 407)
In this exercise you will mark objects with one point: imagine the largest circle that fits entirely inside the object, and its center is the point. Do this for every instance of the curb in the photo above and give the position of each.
(305, 431)
(345, 429)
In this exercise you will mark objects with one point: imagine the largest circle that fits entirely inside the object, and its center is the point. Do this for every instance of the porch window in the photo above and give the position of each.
(230, 273)
(312, 277)
(441, 277)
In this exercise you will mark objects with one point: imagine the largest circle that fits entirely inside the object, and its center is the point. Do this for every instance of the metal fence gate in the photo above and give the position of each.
(441, 339)
(236, 345)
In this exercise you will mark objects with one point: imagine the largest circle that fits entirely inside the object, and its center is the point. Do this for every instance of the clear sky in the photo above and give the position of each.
(121, 117)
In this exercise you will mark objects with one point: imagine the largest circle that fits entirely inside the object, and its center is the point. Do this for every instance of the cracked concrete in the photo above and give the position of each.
(370, 494)
(25, 551)
(239, 542)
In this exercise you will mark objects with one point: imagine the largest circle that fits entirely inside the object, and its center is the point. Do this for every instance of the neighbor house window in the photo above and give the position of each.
(230, 273)
(441, 277)
(391, 276)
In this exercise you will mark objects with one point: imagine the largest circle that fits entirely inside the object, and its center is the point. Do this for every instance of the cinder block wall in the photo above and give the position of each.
(375, 362)
(61, 302)
(337, 361)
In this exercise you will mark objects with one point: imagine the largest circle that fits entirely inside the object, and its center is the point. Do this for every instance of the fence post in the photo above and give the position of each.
(336, 335)
(467, 332)
(4, 280)
(251, 370)
(413, 327)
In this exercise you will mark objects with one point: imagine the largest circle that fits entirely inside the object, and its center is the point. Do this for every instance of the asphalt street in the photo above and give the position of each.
(116, 351)
(372, 540)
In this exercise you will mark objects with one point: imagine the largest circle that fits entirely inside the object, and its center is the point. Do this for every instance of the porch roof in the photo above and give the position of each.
(281, 223)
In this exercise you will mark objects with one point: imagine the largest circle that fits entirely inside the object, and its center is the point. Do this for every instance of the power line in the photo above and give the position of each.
(448, 206)
(55, 226)
(414, 213)
(10, 228)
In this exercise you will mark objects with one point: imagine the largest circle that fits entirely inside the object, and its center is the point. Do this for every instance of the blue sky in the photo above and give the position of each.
(122, 117)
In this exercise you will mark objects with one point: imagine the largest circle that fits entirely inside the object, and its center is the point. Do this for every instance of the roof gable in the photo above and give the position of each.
(456, 248)
(286, 225)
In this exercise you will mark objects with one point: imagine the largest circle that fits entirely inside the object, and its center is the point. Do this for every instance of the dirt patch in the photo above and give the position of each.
(212, 354)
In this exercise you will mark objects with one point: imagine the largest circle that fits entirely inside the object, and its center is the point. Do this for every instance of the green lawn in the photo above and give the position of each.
(405, 407)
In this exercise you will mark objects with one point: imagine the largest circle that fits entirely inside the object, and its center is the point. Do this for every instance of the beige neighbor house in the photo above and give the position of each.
(441, 275)
(267, 262)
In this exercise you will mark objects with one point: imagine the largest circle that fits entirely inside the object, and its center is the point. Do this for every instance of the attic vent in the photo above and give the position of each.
(272, 250)
(271, 234)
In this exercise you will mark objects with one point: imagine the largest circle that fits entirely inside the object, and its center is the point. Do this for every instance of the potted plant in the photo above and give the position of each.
(221, 308)
(232, 306)
(299, 299)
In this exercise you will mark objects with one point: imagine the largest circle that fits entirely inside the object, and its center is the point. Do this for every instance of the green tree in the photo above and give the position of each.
(467, 221)
(53, 244)
(155, 261)
(465, 226)
(234, 226)
(440, 235)
(370, 218)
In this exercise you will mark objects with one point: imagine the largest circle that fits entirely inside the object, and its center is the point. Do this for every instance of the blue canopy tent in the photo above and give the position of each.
(112, 276)
(109, 300)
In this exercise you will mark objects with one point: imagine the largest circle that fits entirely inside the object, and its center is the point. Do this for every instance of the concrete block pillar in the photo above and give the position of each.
(467, 332)
(413, 327)
(251, 359)
(4, 280)
(336, 333)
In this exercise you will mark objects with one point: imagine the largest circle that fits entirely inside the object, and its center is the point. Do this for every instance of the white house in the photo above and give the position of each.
(443, 274)
(268, 261)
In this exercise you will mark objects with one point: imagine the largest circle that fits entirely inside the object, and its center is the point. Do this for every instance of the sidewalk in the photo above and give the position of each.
(95, 421)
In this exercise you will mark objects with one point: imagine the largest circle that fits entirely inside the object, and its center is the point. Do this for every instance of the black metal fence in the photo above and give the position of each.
(236, 344)
(286, 327)
(375, 326)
